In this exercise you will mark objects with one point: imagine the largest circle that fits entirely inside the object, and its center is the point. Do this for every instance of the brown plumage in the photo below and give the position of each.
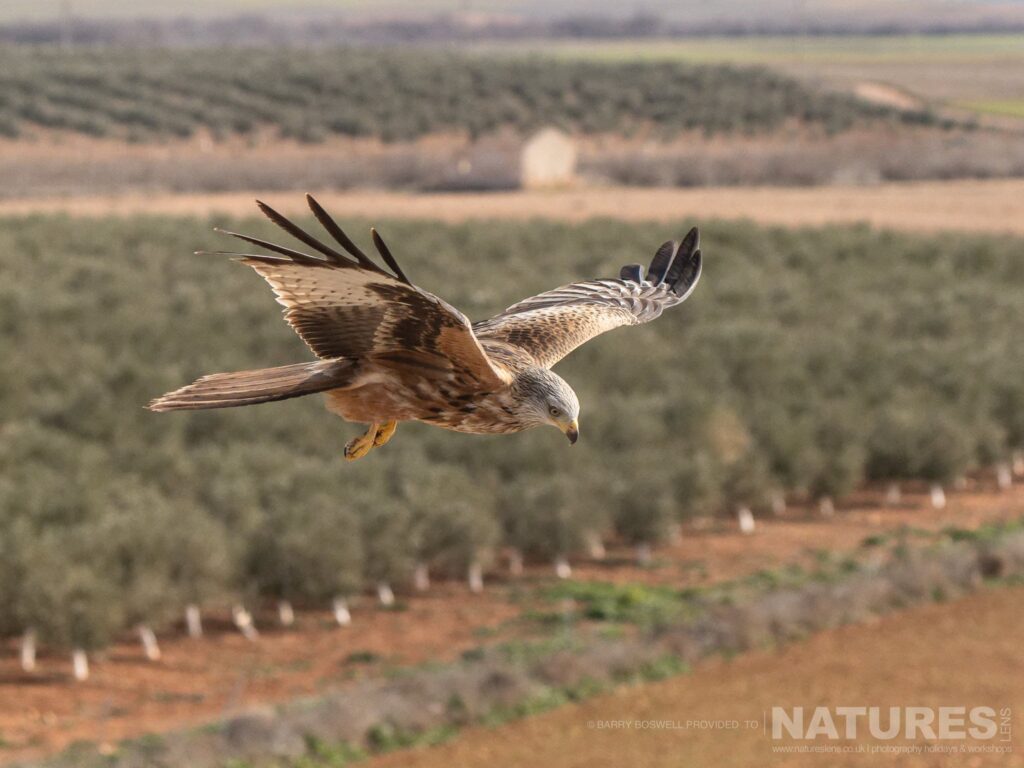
(389, 351)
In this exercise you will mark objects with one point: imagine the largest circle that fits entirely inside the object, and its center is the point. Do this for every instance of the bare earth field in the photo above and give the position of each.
(980, 73)
(964, 653)
(980, 206)
(200, 681)
(53, 164)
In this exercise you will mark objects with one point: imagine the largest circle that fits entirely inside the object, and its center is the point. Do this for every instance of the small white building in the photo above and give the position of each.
(547, 159)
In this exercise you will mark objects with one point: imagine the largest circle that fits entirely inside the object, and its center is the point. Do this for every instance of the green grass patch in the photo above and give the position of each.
(986, 532)
(388, 738)
(781, 49)
(1006, 107)
(543, 702)
(620, 603)
(874, 540)
(362, 657)
(529, 651)
(664, 667)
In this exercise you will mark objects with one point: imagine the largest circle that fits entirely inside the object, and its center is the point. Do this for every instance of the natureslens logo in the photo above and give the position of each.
(889, 723)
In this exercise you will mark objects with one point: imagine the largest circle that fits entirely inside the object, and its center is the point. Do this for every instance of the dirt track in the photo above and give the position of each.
(197, 681)
(990, 206)
(964, 653)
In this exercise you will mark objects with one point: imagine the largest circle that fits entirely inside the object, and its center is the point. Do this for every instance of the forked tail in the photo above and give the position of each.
(226, 390)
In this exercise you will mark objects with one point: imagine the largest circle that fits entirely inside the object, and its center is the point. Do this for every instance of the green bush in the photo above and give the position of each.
(66, 593)
(920, 440)
(307, 552)
(453, 521)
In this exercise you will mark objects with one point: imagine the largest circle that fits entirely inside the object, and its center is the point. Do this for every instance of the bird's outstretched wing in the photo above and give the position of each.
(343, 305)
(552, 324)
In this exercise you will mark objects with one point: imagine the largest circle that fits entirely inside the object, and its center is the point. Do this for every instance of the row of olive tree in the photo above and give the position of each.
(400, 95)
(806, 363)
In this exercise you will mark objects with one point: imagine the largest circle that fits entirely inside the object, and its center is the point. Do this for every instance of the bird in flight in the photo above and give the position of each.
(389, 351)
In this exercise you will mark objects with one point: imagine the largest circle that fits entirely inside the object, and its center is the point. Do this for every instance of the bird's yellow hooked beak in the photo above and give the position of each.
(572, 431)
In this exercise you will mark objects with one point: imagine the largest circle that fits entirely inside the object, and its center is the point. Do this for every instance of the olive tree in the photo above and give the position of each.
(68, 596)
(389, 554)
(309, 553)
(918, 441)
(454, 526)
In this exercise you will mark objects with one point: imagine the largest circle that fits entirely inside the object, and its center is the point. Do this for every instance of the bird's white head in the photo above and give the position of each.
(545, 398)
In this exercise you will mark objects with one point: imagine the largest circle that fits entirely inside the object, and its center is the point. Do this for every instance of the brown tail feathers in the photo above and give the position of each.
(226, 390)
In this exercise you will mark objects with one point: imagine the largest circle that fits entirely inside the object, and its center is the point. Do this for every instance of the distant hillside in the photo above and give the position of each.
(150, 94)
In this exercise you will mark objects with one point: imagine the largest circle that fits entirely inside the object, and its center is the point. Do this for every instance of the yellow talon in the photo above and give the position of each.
(358, 447)
(384, 433)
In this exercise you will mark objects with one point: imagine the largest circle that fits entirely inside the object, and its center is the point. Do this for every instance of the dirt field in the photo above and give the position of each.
(50, 164)
(964, 653)
(937, 69)
(979, 206)
(197, 681)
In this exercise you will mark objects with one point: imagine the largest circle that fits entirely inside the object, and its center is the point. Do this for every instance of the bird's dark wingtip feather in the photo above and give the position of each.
(267, 211)
(661, 261)
(339, 235)
(690, 243)
(300, 234)
(385, 253)
(331, 256)
(632, 272)
(688, 274)
(297, 256)
(672, 258)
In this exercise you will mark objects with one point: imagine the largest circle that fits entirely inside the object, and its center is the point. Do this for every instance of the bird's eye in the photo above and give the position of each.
(553, 411)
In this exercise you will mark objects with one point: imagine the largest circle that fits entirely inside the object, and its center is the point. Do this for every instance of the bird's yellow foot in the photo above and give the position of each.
(358, 447)
(384, 433)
